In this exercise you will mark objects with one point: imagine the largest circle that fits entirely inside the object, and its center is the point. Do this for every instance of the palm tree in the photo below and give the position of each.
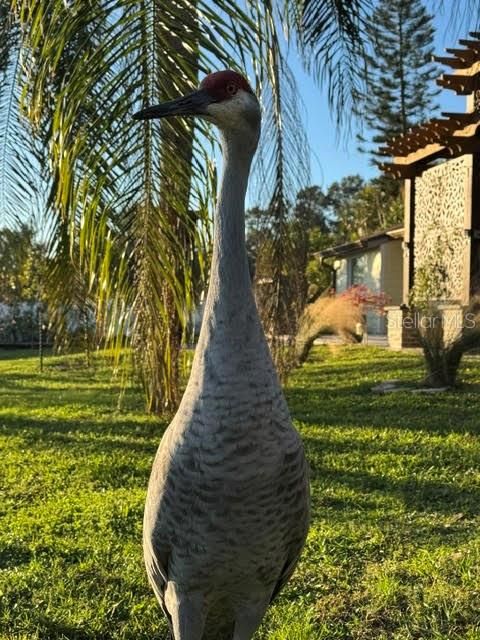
(127, 216)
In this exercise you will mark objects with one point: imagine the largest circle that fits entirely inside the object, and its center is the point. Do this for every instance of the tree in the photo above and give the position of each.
(279, 271)
(22, 268)
(308, 230)
(398, 73)
(378, 205)
(15, 246)
(355, 208)
(310, 209)
(22, 264)
(311, 212)
(340, 203)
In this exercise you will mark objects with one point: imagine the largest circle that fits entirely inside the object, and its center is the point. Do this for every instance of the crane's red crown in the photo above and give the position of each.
(225, 84)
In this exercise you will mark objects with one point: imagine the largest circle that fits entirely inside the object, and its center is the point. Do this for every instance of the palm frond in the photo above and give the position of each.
(280, 172)
(464, 16)
(331, 37)
(20, 173)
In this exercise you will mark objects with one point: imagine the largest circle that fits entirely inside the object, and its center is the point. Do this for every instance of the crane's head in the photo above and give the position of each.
(224, 98)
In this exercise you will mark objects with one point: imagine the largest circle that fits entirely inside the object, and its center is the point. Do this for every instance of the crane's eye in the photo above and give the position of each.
(231, 88)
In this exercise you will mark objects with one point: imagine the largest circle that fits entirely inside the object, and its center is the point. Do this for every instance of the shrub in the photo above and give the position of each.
(342, 314)
(444, 345)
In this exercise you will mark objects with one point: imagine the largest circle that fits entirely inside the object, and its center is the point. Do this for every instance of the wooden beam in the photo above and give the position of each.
(465, 55)
(453, 147)
(472, 45)
(398, 171)
(471, 70)
(464, 145)
(421, 154)
(461, 118)
(452, 134)
(440, 126)
(409, 237)
(462, 85)
(454, 63)
(435, 134)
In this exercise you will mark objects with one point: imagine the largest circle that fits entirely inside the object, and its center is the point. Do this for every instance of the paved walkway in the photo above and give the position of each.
(370, 340)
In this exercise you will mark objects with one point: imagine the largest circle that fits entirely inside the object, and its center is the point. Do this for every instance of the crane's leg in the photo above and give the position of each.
(188, 613)
(249, 618)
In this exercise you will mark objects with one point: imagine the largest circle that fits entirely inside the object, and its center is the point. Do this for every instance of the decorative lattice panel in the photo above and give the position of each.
(442, 195)
(476, 101)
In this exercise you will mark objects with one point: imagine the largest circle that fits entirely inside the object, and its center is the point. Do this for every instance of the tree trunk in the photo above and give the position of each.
(442, 363)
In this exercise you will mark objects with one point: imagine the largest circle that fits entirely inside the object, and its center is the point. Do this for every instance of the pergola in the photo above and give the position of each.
(452, 135)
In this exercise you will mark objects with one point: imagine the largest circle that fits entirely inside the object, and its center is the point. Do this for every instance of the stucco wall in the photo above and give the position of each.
(392, 271)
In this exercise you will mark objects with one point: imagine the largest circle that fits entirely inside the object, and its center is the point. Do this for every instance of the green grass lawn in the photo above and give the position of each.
(394, 548)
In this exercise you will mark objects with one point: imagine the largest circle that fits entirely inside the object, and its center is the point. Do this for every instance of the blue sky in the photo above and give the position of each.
(333, 156)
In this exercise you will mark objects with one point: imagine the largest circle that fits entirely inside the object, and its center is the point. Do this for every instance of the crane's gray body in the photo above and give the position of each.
(227, 508)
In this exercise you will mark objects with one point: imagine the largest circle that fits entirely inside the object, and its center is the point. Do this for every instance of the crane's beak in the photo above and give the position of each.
(193, 104)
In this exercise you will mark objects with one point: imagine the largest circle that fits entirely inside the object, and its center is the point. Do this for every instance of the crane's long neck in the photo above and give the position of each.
(231, 348)
(230, 287)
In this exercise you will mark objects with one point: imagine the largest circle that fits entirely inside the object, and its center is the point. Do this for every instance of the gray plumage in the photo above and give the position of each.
(226, 514)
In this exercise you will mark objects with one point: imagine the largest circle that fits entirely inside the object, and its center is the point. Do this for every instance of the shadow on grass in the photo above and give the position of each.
(22, 354)
(14, 555)
(431, 446)
(417, 494)
(27, 392)
(85, 434)
(356, 406)
(49, 629)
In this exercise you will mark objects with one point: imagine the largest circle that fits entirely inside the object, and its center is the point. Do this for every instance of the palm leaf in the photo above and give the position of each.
(331, 38)
(20, 172)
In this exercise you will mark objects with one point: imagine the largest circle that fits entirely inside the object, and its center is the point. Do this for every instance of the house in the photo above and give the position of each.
(375, 261)
(439, 163)
(18, 323)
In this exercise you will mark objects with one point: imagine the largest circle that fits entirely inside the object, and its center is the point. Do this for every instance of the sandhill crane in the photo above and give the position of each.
(226, 514)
